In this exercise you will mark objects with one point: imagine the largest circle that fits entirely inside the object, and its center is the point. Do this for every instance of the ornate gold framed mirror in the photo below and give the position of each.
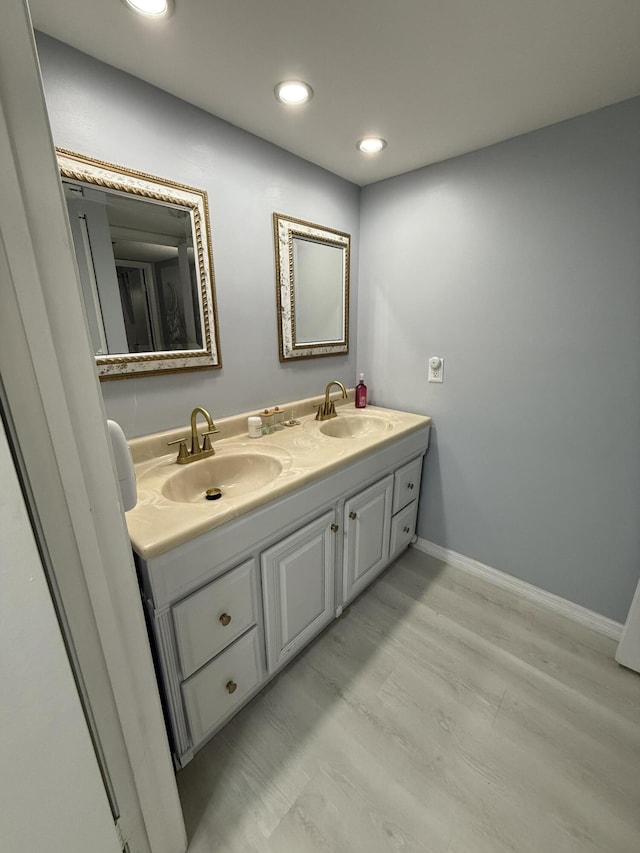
(312, 288)
(144, 256)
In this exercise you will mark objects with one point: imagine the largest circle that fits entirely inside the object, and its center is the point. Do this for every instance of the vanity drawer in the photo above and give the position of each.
(403, 528)
(214, 616)
(221, 686)
(407, 484)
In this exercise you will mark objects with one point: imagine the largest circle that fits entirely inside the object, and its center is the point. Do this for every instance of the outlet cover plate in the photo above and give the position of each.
(436, 368)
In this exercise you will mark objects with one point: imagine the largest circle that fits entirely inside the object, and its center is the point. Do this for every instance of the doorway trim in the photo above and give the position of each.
(53, 394)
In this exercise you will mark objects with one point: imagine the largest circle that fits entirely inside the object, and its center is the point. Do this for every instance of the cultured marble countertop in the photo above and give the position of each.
(158, 523)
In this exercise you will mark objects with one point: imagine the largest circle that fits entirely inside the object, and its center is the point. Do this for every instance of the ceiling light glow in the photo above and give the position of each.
(293, 92)
(150, 8)
(371, 144)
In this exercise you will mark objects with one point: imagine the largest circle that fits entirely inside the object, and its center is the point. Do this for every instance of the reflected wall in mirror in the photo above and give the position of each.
(143, 249)
(312, 287)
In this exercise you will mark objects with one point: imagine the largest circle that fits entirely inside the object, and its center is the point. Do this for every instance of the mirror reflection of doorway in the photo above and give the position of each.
(136, 260)
(135, 282)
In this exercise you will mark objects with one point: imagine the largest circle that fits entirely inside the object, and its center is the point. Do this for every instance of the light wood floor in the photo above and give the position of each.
(438, 714)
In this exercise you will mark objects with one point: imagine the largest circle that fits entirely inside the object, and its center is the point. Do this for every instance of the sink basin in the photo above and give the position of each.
(234, 473)
(355, 426)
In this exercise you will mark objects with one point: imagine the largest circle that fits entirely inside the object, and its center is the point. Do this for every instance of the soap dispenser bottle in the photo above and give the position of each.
(361, 393)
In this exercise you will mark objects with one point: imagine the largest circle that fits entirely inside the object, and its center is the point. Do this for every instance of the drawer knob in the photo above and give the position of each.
(231, 686)
(409, 485)
(353, 515)
(407, 529)
(334, 528)
(225, 619)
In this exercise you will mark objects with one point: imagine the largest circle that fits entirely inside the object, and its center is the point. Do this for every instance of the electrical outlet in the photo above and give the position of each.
(436, 368)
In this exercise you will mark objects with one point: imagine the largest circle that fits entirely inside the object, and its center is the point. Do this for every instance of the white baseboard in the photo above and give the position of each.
(572, 611)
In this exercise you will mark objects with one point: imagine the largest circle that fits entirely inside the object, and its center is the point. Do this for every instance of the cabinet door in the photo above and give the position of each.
(367, 519)
(297, 581)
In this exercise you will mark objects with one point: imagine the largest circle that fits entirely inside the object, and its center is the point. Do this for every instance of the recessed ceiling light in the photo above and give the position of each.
(371, 144)
(293, 92)
(151, 8)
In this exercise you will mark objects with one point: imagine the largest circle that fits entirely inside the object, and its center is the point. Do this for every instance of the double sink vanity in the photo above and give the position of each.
(249, 552)
(246, 547)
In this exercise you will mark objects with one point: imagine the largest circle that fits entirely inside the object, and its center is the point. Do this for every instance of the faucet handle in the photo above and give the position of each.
(326, 411)
(206, 441)
(183, 453)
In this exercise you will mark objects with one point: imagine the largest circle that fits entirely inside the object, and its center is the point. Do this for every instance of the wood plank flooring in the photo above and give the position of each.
(439, 714)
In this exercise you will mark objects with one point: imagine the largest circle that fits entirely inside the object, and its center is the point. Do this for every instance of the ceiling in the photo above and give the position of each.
(435, 78)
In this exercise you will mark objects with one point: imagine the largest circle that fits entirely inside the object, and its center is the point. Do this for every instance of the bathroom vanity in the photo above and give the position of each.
(235, 587)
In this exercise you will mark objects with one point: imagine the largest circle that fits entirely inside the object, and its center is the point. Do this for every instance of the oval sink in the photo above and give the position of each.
(354, 426)
(233, 473)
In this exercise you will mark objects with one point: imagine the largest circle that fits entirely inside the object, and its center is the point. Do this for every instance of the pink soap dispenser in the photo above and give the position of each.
(361, 393)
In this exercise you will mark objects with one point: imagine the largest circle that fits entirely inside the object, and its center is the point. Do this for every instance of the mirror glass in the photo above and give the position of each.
(312, 286)
(144, 258)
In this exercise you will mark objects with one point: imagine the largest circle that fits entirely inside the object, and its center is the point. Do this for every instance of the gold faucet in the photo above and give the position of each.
(196, 452)
(328, 408)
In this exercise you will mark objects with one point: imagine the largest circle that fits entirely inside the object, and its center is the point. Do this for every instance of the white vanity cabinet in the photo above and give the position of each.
(229, 608)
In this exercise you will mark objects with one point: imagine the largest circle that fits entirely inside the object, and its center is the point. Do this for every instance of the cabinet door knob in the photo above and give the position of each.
(353, 515)
(231, 686)
(409, 485)
(225, 619)
(334, 528)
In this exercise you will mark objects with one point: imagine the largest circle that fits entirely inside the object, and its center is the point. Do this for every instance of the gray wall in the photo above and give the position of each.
(97, 110)
(520, 265)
